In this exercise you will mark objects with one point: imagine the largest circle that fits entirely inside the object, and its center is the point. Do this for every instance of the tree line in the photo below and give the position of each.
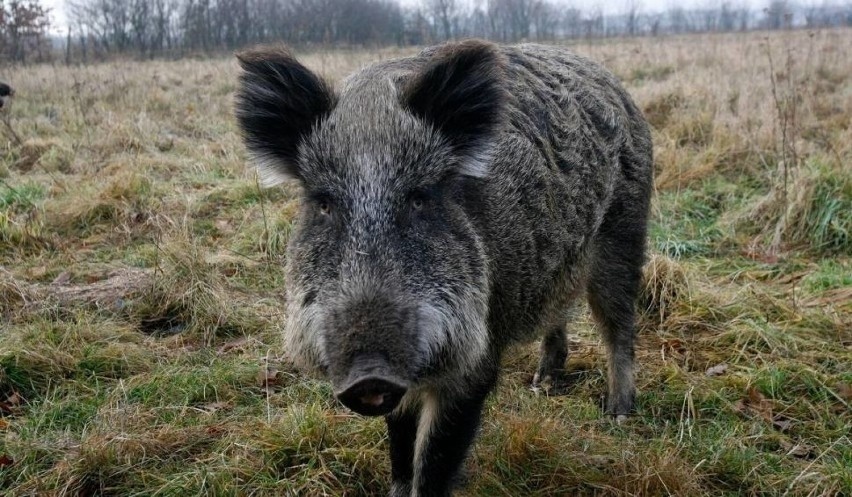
(24, 29)
(149, 28)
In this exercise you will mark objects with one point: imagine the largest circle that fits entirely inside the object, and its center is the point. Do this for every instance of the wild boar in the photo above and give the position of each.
(453, 203)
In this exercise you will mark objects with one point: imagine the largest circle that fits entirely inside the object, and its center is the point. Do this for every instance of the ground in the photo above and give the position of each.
(141, 276)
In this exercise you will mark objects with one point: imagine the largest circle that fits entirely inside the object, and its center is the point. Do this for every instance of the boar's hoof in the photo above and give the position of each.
(555, 383)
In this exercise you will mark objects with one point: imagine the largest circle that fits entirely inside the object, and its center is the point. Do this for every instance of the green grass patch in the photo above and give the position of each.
(831, 274)
(20, 197)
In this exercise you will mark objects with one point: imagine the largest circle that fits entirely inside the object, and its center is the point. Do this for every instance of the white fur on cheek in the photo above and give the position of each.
(461, 330)
(471, 332)
(304, 342)
(432, 330)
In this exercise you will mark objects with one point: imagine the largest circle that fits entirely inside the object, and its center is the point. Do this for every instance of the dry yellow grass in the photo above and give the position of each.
(130, 180)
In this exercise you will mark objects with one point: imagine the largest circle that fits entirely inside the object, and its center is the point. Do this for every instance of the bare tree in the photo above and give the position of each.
(632, 13)
(678, 20)
(727, 17)
(545, 20)
(444, 12)
(23, 31)
(512, 18)
(709, 19)
(572, 22)
(478, 23)
(595, 26)
(778, 15)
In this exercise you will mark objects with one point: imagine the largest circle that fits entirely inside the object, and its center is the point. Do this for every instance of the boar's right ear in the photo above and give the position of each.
(461, 92)
(278, 102)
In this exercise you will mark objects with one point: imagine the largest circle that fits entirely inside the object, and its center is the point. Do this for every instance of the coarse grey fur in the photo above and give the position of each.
(455, 202)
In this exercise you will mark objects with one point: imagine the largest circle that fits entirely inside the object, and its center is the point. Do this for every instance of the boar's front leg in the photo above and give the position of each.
(446, 426)
(446, 433)
(402, 434)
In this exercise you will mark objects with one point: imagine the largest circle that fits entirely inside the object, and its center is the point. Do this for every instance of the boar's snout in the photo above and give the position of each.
(371, 389)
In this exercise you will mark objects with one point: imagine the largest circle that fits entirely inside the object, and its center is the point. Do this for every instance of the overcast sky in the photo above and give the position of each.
(58, 15)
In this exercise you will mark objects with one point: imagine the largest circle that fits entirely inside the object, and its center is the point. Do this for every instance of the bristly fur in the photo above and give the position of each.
(278, 103)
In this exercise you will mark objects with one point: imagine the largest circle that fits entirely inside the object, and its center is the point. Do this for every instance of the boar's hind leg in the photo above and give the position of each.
(613, 285)
(554, 352)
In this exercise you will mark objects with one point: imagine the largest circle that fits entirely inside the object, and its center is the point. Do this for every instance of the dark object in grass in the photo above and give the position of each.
(6, 92)
(454, 203)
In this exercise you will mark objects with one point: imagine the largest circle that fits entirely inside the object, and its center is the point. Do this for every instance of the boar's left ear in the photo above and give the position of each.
(278, 103)
(461, 92)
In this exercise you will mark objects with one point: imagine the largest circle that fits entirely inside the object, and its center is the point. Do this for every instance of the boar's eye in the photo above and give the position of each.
(417, 201)
(322, 205)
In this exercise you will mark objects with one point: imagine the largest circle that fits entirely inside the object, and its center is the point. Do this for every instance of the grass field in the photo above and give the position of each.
(141, 276)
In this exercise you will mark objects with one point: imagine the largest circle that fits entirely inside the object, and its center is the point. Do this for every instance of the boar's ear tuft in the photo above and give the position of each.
(461, 92)
(278, 102)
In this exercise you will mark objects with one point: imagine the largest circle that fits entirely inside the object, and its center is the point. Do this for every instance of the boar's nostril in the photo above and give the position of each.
(374, 400)
(373, 396)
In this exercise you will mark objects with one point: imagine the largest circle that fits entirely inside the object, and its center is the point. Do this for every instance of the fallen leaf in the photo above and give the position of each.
(5, 460)
(672, 347)
(781, 423)
(755, 397)
(754, 403)
(268, 377)
(63, 278)
(233, 344)
(797, 450)
(3, 424)
(11, 403)
(717, 370)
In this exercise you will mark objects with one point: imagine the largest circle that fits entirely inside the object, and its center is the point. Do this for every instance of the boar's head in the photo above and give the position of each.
(387, 274)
